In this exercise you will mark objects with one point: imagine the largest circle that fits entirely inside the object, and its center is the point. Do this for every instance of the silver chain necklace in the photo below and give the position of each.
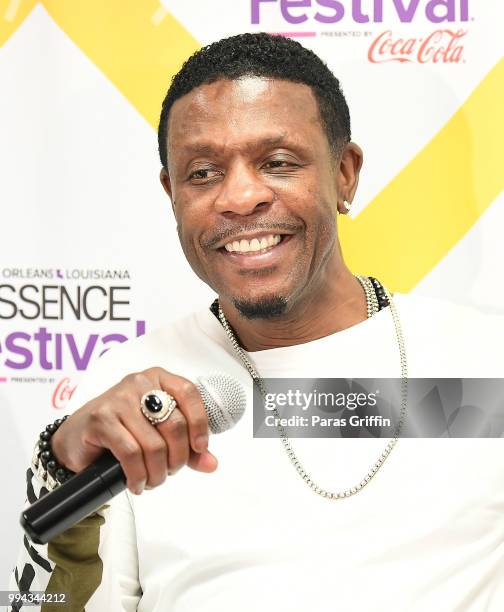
(372, 307)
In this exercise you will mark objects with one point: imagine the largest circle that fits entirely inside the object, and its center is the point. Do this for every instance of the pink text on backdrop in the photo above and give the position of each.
(441, 46)
(62, 393)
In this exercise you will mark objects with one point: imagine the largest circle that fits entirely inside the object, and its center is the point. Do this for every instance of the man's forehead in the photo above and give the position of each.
(251, 141)
(251, 93)
(250, 112)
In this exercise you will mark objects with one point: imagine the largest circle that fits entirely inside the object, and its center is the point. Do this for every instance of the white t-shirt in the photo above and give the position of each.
(427, 533)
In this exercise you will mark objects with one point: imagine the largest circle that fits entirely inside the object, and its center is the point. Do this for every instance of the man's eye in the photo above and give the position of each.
(200, 174)
(278, 163)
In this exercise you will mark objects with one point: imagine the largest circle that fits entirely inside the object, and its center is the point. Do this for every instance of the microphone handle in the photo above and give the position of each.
(75, 499)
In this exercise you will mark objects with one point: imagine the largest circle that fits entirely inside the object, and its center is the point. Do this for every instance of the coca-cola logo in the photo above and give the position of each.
(62, 393)
(441, 46)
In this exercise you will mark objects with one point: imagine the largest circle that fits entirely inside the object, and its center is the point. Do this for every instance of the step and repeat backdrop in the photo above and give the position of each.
(89, 254)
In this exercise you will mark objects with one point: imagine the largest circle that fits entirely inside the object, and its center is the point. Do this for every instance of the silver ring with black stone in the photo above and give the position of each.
(157, 406)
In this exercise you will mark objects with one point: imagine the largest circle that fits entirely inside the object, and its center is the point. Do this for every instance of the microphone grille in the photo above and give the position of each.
(224, 399)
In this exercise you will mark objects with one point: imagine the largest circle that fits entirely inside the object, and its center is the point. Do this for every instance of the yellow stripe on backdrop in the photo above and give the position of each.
(407, 228)
(136, 43)
(439, 195)
(12, 15)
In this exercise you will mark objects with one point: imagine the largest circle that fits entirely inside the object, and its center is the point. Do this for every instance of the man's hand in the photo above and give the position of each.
(147, 453)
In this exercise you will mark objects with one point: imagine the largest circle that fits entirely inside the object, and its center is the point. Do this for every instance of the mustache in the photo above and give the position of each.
(226, 232)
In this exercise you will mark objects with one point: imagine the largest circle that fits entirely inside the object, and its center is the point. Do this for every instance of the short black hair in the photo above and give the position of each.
(262, 55)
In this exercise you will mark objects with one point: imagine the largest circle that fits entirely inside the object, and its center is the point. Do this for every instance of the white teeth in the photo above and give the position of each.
(245, 246)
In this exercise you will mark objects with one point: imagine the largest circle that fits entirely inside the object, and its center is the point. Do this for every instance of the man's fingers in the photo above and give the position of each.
(128, 452)
(190, 404)
(153, 444)
(146, 452)
(175, 431)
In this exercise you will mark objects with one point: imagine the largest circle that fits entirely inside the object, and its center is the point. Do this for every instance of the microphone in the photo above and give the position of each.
(224, 400)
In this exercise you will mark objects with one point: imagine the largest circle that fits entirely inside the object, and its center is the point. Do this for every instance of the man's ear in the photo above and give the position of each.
(347, 177)
(164, 177)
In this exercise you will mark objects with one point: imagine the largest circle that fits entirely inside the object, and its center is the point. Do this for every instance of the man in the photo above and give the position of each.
(257, 161)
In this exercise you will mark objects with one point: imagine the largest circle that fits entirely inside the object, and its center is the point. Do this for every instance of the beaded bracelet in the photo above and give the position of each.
(44, 462)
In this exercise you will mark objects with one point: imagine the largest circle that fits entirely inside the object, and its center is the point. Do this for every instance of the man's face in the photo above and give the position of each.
(254, 190)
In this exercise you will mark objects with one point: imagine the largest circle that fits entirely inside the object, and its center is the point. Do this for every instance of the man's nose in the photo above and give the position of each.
(242, 192)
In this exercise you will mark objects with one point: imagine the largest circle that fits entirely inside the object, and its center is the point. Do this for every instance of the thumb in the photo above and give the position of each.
(203, 462)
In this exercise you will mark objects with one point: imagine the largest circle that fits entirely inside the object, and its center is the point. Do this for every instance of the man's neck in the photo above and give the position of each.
(339, 305)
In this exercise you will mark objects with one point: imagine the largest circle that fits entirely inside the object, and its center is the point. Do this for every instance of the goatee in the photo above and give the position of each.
(264, 308)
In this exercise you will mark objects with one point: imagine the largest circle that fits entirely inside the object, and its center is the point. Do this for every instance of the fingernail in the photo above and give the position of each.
(140, 487)
(201, 443)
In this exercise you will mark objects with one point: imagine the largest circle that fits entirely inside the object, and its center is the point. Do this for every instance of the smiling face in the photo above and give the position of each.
(254, 188)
